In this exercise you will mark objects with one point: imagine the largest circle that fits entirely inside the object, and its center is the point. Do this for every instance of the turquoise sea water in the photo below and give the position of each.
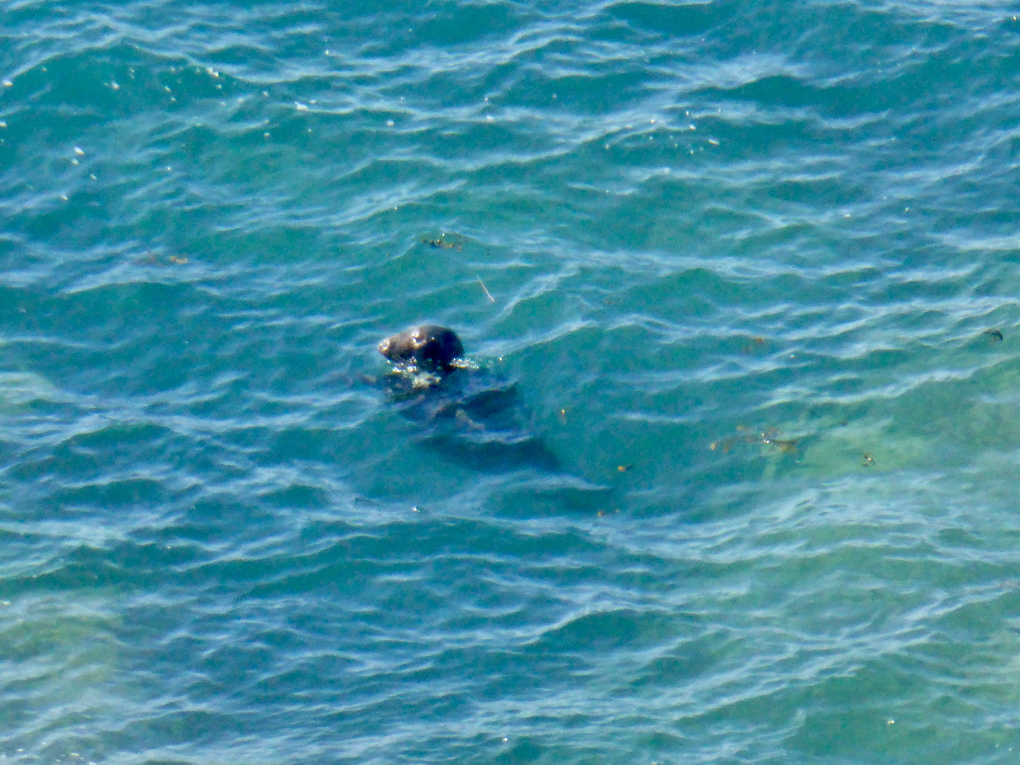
(752, 268)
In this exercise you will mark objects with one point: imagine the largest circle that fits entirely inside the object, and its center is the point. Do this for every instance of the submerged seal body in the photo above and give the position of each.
(469, 413)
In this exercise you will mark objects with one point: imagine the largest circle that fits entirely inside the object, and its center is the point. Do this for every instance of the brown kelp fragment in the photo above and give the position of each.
(769, 436)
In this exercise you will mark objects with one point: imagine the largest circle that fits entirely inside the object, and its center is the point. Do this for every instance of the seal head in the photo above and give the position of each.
(428, 348)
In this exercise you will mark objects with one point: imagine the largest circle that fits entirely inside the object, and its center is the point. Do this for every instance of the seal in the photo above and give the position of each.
(471, 414)
(428, 348)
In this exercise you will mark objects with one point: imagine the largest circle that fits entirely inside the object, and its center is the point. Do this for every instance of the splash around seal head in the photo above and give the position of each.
(428, 348)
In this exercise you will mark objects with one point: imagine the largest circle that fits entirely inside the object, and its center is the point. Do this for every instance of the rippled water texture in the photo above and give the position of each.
(746, 273)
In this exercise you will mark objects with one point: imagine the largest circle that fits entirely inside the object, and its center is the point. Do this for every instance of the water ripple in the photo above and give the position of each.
(748, 267)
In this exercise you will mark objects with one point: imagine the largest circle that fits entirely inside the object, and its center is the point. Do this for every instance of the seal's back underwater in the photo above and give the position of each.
(469, 414)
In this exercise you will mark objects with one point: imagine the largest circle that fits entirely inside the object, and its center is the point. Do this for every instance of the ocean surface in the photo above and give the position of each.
(746, 272)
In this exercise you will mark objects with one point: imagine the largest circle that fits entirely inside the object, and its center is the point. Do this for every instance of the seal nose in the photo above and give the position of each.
(384, 347)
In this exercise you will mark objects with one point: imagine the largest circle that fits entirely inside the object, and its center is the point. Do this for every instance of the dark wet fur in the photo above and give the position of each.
(428, 348)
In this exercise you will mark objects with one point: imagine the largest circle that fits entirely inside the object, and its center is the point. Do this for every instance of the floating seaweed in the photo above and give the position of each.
(756, 343)
(442, 243)
(769, 436)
